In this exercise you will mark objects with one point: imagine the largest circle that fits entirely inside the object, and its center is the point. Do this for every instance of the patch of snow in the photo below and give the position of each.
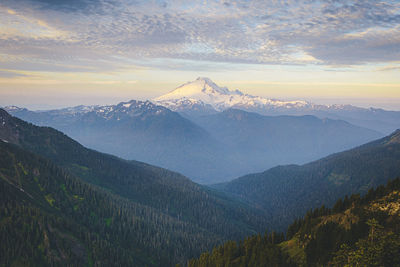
(12, 108)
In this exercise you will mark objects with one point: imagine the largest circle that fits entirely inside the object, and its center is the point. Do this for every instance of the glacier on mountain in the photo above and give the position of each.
(204, 92)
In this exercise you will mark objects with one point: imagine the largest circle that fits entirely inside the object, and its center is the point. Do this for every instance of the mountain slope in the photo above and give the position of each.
(49, 217)
(355, 232)
(209, 215)
(261, 142)
(208, 149)
(141, 131)
(205, 92)
(286, 192)
(204, 97)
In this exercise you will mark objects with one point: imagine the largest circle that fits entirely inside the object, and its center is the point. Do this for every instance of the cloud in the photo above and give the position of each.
(11, 74)
(63, 5)
(390, 68)
(373, 45)
(81, 33)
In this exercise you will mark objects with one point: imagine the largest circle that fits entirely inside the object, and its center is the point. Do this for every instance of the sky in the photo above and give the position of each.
(58, 53)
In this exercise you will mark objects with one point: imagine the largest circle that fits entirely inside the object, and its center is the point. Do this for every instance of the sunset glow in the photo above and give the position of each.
(98, 51)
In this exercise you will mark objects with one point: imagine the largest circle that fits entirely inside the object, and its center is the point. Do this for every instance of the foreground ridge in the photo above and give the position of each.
(357, 231)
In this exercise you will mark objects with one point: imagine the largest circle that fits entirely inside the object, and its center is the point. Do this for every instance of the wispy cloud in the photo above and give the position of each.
(11, 74)
(91, 35)
(390, 68)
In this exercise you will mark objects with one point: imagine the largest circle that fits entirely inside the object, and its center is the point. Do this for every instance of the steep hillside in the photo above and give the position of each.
(49, 217)
(211, 215)
(286, 192)
(357, 231)
(138, 130)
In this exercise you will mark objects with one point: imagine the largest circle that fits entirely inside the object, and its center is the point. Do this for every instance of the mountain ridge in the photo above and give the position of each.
(207, 149)
(164, 200)
(190, 99)
(356, 231)
(281, 188)
(203, 91)
(137, 130)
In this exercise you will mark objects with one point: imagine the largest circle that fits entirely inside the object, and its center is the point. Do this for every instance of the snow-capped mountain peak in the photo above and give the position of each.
(202, 88)
(204, 92)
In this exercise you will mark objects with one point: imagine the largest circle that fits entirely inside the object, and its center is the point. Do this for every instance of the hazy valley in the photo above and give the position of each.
(216, 147)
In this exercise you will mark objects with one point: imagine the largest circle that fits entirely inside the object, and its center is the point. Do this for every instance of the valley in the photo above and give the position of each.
(213, 133)
(86, 202)
(208, 148)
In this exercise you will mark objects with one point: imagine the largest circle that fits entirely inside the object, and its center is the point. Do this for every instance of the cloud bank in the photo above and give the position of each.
(105, 35)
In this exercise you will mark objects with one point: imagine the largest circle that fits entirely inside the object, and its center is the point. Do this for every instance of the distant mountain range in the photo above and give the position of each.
(260, 141)
(204, 97)
(209, 148)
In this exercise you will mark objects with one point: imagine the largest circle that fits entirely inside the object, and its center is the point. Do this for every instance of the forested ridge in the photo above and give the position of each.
(165, 190)
(65, 205)
(357, 231)
(153, 216)
(287, 192)
(50, 216)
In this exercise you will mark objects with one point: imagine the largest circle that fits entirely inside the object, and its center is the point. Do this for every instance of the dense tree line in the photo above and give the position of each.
(132, 212)
(49, 217)
(254, 251)
(167, 191)
(380, 248)
(357, 231)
